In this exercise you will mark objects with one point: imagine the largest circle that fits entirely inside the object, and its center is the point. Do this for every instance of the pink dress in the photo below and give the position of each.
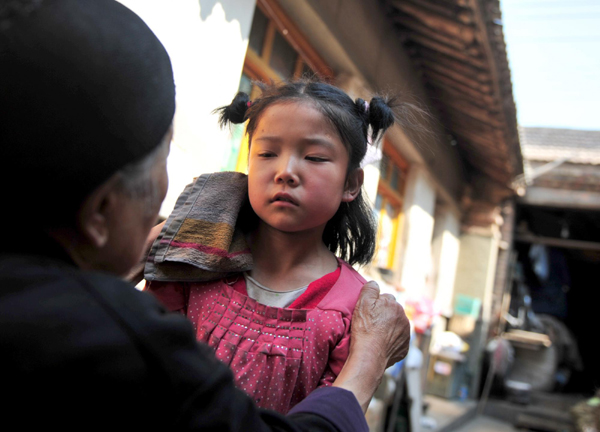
(278, 355)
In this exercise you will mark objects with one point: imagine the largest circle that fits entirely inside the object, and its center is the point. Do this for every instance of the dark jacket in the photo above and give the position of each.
(87, 350)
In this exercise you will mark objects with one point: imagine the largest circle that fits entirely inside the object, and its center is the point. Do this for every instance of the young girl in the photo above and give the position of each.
(282, 322)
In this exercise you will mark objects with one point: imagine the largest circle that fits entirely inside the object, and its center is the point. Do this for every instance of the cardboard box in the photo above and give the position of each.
(444, 375)
(462, 325)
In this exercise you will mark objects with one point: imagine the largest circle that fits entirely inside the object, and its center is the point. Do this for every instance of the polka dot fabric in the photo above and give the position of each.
(278, 355)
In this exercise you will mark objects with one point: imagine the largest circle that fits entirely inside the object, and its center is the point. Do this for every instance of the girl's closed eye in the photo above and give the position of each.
(317, 159)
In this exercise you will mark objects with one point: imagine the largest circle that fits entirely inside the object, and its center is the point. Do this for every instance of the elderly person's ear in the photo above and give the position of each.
(95, 214)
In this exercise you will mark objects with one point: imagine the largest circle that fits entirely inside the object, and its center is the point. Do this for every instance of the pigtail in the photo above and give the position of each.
(381, 116)
(235, 112)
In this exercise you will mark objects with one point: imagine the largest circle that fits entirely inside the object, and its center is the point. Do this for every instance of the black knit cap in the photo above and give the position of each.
(85, 89)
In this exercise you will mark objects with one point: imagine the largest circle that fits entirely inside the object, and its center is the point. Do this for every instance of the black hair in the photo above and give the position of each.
(351, 233)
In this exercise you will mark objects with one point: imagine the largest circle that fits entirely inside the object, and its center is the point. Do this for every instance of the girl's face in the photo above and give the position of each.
(297, 168)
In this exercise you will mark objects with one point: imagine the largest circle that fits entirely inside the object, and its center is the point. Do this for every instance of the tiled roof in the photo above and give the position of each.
(547, 144)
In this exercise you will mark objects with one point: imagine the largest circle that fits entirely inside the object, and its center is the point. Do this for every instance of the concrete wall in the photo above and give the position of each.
(477, 265)
(475, 277)
(446, 247)
(207, 42)
(414, 261)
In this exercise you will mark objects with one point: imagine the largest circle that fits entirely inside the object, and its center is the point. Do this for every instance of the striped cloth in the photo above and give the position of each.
(201, 239)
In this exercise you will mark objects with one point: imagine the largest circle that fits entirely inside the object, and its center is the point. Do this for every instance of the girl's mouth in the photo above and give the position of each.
(284, 198)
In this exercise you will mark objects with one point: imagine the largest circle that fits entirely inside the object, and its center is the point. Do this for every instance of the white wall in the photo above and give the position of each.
(207, 42)
(419, 206)
(446, 244)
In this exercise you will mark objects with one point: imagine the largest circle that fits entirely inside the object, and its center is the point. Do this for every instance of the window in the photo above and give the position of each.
(276, 50)
(388, 205)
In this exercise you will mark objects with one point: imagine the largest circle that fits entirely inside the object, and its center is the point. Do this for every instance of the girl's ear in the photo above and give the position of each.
(353, 184)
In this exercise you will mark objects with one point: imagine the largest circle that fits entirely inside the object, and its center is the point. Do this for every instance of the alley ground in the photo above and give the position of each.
(487, 424)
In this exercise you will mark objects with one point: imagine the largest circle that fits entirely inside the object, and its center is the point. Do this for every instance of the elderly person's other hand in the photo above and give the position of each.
(380, 338)
(380, 324)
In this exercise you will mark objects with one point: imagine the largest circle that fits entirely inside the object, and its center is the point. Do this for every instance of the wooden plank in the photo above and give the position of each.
(551, 197)
(463, 3)
(257, 68)
(486, 101)
(417, 27)
(539, 339)
(475, 91)
(447, 9)
(468, 55)
(558, 242)
(472, 111)
(438, 23)
(462, 67)
(457, 76)
(472, 126)
(295, 38)
(435, 55)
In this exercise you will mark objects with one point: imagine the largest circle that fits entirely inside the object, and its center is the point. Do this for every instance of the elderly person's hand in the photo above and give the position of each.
(380, 324)
(380, 338)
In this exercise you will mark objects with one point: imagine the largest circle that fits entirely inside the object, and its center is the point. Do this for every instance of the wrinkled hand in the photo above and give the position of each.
(380, 325)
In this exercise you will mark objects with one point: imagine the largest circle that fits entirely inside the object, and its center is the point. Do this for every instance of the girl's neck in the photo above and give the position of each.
(285, 261)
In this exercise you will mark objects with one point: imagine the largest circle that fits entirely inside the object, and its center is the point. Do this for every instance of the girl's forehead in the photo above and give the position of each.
(282, 114)
(293, 105)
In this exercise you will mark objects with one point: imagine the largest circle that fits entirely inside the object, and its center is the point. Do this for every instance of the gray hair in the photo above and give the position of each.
(136, 180)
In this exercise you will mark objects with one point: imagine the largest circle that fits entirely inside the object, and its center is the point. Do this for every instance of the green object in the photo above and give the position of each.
(467, 305)
(594, 402)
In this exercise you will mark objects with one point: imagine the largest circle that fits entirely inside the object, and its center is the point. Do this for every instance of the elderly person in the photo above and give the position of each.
(86, 106)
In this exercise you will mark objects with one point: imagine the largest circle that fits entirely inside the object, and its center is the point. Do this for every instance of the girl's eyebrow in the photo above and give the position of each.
(266, 138)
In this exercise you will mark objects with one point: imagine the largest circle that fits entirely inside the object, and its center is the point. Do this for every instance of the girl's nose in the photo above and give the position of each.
(287, 172)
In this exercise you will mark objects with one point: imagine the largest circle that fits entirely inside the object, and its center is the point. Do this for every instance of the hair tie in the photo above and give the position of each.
(366, 107)
(249, 104)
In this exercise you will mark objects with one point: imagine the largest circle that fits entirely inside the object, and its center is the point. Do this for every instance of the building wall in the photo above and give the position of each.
(207, 42)
(475, 275)
(415, 261)
(446, 248)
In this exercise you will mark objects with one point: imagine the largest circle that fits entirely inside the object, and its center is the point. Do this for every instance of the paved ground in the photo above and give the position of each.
(486, 424)
(446, 415)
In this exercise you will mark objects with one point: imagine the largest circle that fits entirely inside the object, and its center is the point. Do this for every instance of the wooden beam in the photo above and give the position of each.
(457, 76)
(416, 27)
(551, 197)
(480, 140)
(484, 163)
(438, 23)
(295, 38)
(451, 11)
(489, 53)
(487, 102)
(558, 242)
(464, 67)
(446, 82)
(472, 125)
(256, 67)
(462, 3)
(472, 111)
(468, 55)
